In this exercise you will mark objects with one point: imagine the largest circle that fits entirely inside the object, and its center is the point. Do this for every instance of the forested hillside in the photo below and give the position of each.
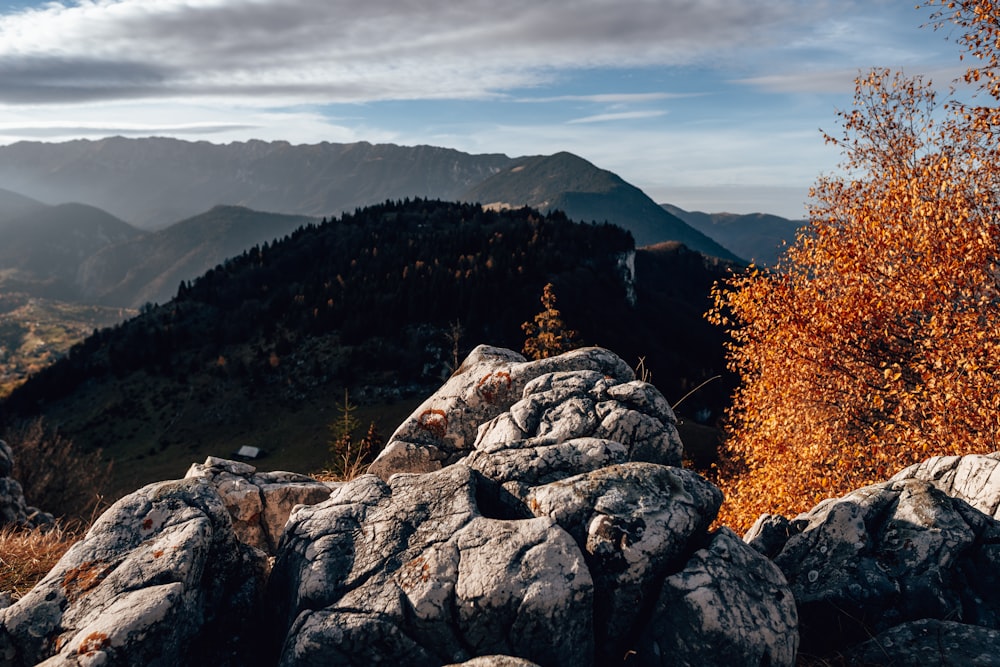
(259, 349)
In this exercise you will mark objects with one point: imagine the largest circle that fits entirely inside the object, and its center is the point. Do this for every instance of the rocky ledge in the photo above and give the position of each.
(526, 513)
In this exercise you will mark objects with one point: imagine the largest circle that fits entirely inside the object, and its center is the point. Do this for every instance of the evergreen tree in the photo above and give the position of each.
(547, 335)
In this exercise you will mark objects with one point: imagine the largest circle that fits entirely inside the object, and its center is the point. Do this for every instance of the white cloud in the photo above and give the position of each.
(621, 115)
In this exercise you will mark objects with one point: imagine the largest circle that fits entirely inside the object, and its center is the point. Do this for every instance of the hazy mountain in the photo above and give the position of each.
(148, 268)
(41, 251)
(13, 205)
(758, 237)
(259, 351)
(585, 192)
(153, 182)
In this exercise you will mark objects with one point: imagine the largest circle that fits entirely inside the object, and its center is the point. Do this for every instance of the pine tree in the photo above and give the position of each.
(547, 335)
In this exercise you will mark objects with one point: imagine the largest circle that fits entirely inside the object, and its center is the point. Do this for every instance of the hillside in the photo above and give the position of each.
(758, 237)
(42, 250)
(569, 183)
(14, 205)
(148, 268)
(259, 349)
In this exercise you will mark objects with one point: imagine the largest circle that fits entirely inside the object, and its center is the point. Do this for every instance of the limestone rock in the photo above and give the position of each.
(930, 643)
(888, 554)
(572, 422)
(728, 606)
(973, 478)
(258, 502)
(634, 523)
(159, 579)
(487, 384)
(413, 567)
(494, 661)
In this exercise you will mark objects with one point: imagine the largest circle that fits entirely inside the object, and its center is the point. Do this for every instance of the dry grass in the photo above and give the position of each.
(27, 555)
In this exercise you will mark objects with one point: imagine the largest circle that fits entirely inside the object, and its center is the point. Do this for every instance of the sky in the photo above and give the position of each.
(712, 105)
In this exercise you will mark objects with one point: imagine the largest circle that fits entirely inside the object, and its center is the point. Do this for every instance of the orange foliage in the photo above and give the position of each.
(875, 343)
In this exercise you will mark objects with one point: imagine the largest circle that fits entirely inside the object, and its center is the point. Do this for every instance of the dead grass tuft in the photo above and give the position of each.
(27, 554)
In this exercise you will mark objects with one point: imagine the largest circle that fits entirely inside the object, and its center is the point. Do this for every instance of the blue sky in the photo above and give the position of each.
(712, 105)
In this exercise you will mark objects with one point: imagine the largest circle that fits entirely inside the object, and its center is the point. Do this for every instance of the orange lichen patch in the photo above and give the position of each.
(79, 580)
(417, 569)
(158, 553)
(491, 386)
(533, 504)
(434, 421)
(93, 643)
(147, 524)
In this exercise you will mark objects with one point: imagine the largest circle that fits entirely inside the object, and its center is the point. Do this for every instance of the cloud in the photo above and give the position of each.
(343, 51)
(621, 115)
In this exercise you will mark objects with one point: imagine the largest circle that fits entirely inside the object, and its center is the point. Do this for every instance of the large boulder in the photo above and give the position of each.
(885, 555)
(258, 502)
(159, 579)
(414, 571)
(930, 643)
(443, 429)
(974, 478)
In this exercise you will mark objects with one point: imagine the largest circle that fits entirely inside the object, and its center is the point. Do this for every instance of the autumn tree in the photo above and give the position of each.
(875, 342)
(547, 335)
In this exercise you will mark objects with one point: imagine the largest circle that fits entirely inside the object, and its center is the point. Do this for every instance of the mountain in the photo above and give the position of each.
(14, 205)
(148, 268)
(259, 350)
(569, 183)
(154, 182)
(759, 237)
(42, 250)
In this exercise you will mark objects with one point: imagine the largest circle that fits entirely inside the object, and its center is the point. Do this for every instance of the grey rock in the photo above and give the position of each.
(888, 554)
(413, 567)
(259, 503)
(634, 523)
(159, 579)
(930, 643)
(494, 661)
(728, 606)
(486, 385)
(974, 478)
(14, 509)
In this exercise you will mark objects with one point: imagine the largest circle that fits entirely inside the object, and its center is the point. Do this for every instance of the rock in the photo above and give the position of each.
(259, 503)
(487, 383)
(159, 579)
(930, 643)
(974, 478)
(14, 509)
(571, 422)
(414, 567)
(728, 606)
(634, 524)
(889, 554)
(494, 661)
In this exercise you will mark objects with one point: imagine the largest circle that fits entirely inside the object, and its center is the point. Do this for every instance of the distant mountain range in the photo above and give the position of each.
(757, 237)
(154, 182)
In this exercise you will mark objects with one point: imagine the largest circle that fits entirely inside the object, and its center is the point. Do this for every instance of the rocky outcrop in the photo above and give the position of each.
(487, 384)
(529, 513)
(974, 478)
(885, 556)
(14, 509)
(160, 579)
(258, 502)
